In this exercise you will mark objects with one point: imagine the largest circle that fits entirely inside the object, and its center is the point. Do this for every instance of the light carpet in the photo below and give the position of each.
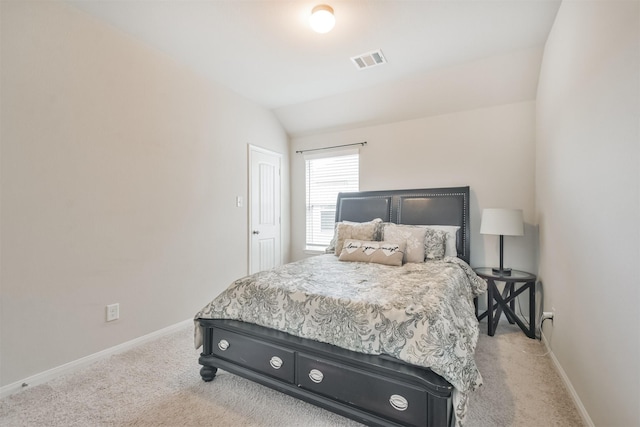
(158, 384)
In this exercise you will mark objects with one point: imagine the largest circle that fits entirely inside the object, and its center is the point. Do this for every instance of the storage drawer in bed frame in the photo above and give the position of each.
(385, 397)
(262, 357)
(374, 390)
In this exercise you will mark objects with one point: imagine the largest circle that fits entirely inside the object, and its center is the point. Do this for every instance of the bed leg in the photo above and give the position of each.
(208, 373)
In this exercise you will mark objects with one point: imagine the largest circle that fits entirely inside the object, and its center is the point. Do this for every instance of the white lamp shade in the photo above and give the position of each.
(504, 222)
(322, 19)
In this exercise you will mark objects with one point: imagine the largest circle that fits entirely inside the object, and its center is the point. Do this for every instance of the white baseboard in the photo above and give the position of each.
(574, 395)
(50, 374)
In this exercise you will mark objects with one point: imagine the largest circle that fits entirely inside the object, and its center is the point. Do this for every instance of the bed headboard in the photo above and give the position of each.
(429, 206)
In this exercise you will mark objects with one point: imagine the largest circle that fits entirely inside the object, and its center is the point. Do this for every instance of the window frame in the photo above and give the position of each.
(321, 239)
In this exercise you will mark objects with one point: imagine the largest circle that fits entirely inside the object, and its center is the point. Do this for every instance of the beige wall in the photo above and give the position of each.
(490, 149)
(119, 174)
(587, 203)
(120, 168)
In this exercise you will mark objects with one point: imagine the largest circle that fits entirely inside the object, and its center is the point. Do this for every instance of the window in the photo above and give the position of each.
(326, 176)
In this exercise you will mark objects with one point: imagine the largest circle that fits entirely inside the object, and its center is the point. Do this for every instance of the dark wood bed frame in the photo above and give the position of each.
(374, 390)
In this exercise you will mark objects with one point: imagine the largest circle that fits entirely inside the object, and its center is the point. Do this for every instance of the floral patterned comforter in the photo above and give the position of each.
(421, 313)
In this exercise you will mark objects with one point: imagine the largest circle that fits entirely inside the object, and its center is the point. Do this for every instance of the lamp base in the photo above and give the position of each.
(501, 272)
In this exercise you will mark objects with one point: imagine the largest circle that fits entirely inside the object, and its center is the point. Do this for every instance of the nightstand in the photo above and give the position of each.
(514, 284)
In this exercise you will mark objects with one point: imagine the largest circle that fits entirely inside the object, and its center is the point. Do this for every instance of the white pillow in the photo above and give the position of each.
(413, 236)
(450, 242)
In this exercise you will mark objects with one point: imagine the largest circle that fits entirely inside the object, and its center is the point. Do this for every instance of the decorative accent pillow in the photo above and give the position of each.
(356, 230)
(412, 235)
(434, 243)
(366, 251)
(451, 241)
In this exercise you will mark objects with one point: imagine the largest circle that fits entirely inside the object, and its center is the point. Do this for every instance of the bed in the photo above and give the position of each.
(357, 376)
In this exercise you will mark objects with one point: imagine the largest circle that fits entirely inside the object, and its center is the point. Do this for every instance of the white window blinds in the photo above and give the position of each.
(326, 176)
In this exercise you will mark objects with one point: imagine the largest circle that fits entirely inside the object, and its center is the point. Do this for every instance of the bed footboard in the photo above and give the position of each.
(374, 390)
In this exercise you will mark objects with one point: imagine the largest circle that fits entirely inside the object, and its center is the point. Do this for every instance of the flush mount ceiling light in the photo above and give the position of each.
(322, 19)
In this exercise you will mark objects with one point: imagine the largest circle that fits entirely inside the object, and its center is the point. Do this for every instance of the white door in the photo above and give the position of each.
(264, 209)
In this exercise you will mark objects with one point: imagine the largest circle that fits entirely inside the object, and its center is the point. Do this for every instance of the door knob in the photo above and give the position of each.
(256, 232)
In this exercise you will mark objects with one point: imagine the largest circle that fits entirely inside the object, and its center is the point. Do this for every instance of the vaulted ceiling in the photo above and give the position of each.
(443, 55)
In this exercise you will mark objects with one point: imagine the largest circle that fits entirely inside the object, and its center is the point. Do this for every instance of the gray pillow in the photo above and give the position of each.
(434, 244)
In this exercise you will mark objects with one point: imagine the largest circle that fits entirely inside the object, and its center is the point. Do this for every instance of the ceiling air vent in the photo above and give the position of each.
(369, 59)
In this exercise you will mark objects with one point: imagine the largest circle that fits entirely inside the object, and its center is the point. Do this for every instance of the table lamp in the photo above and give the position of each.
(502, 222)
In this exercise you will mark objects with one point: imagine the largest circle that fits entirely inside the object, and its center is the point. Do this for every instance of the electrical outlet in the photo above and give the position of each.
(546, 315)
(113, 312)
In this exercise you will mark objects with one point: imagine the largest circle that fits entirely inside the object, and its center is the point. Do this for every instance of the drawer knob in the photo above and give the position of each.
(316, 376)
(398, 402)
(275, 362)
(223, 345)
